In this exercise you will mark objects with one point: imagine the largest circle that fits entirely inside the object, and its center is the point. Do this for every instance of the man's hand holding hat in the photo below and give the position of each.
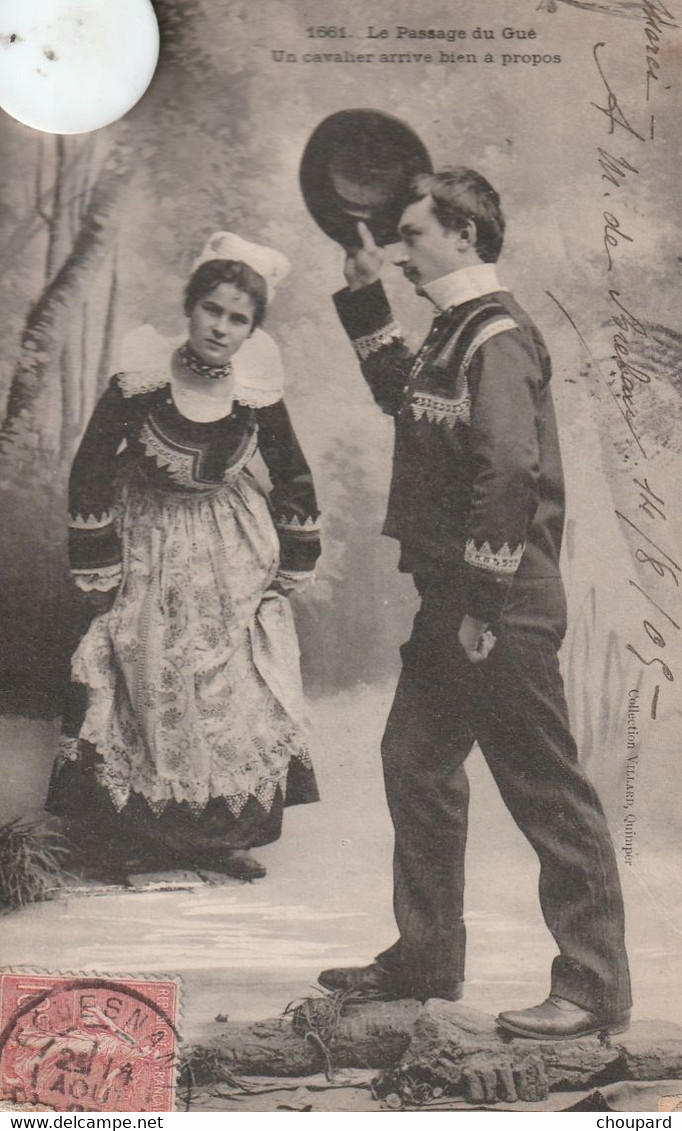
(363, 264)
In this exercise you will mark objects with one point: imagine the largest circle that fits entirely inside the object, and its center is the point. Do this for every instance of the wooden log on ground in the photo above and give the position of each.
(315, 1037)
(461, 1052)
(440, 1048)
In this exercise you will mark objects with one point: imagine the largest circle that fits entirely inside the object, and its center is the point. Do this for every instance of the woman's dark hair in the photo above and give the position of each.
(459, 195)
(211, 274)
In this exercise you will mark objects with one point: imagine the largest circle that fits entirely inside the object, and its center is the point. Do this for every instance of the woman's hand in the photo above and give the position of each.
(277, 589)
(363, 264)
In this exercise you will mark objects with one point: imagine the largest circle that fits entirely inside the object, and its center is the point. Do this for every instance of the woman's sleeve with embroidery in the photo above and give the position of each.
(94, 545)
(377, 339)
(504, 380)
(292, 498)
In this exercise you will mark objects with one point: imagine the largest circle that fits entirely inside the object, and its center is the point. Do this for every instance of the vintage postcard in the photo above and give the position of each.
(364, 313)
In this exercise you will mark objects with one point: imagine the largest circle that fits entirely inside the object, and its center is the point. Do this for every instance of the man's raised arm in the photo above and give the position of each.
(368, 320)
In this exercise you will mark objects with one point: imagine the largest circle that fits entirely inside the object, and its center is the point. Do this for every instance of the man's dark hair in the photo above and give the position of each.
(211, 274)
(459, 195)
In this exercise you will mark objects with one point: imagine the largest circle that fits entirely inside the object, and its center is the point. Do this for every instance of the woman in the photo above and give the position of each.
(192, 737)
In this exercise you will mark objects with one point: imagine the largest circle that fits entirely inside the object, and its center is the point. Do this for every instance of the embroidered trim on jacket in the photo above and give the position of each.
(503, 561)
(488, 331)
(439, 410)
(377, 340)
(180, 465)
(141, 381)
(447, 355)
(183, 464)
(294, 525)
(78, 522)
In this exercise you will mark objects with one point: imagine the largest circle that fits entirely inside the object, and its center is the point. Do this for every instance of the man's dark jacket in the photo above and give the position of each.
(477, 495)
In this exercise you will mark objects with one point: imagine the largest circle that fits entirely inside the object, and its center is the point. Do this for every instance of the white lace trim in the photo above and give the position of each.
(236, 803)
(100, 583)
(103, 571)
(196, 795)
(142, 381)
(439, 410)
(490, 330)
(179, 465)
(78, 522)
(295, 526)
(101, 580)
(147, 380)
(295, 578)
(368, 344)
(504, 560)
(265, 793)
(257, 398)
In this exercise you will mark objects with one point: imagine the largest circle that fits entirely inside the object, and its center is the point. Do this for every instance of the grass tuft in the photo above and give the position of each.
(31, 863)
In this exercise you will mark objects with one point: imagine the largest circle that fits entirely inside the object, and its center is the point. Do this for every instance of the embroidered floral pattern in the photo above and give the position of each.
(504, 560)
(192, 677)
(441, 410)
(372, 343)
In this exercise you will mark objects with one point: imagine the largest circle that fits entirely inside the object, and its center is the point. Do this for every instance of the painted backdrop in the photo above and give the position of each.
(572, 111)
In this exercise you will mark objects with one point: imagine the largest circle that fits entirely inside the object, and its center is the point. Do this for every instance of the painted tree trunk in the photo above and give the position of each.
(49, 322)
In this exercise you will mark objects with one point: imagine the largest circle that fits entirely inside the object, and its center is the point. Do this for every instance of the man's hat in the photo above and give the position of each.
(358, 165)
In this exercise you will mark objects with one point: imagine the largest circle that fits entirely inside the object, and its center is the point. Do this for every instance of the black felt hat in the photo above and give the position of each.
(358, 165)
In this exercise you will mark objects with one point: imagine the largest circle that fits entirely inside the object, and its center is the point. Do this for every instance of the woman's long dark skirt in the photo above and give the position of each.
(136, 839)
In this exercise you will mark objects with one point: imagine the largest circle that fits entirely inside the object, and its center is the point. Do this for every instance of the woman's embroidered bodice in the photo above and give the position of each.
(175, 451)
(137, 424)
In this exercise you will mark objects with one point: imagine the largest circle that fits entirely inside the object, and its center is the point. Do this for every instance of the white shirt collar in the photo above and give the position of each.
(463, 285)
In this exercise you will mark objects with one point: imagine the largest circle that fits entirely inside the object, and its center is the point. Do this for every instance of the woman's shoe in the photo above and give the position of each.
(240, 863)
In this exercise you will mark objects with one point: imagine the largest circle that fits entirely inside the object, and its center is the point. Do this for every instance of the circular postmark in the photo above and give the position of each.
(88, 1044)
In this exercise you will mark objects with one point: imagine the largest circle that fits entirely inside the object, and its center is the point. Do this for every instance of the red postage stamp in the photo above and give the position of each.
(88, 1043)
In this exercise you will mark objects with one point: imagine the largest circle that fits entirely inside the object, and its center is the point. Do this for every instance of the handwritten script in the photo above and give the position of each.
(629, 144)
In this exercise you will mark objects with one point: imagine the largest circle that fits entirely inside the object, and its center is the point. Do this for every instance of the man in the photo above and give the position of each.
(477, 504)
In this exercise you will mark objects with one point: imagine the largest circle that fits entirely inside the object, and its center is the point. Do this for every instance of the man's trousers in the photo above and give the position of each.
(513, 705)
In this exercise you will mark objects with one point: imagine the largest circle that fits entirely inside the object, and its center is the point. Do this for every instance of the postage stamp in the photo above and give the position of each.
(80, 1043)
